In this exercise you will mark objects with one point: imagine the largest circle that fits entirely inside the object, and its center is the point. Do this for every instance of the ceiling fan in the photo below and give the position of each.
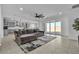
(39, 15)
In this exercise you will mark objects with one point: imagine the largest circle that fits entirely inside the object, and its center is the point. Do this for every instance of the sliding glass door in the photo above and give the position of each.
(53, 27)
(58, 27)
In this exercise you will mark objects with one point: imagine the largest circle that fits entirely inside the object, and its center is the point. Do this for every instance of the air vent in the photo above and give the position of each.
(75, 6)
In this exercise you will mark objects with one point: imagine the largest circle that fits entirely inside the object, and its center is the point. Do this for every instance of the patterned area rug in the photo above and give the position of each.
(35, 44)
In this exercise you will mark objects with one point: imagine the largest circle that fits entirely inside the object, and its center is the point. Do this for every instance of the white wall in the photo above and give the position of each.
(67, 19)
(13, 12)
(41, 26)
(64, 25)
(71, 17)
(1, 25)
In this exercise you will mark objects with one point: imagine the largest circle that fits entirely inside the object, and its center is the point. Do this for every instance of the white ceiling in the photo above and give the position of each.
(29, 10)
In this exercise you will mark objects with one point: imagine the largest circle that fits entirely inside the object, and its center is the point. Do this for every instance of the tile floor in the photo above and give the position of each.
(60, 45)
(9, 46)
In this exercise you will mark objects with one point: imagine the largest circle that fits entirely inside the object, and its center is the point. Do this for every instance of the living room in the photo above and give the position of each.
(26, 23)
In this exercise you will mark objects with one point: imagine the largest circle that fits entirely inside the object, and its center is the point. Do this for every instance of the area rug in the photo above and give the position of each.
(28, 47)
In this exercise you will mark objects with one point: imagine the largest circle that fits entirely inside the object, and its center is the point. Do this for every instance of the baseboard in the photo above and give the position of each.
(66, 36)
(69, 37)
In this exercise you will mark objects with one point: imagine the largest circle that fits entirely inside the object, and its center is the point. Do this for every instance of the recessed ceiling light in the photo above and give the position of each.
(21, 9)
(60, 13)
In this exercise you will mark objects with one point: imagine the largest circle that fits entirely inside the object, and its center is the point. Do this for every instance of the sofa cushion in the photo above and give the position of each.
(27, 35)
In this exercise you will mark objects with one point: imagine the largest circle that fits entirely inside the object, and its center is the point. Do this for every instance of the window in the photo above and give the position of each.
(53, 27)
(58, 26)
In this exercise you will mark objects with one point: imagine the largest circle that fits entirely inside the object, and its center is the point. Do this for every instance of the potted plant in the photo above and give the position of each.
(76, 26)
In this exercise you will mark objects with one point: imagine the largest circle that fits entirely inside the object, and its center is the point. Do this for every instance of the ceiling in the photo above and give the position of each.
(29, 10)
